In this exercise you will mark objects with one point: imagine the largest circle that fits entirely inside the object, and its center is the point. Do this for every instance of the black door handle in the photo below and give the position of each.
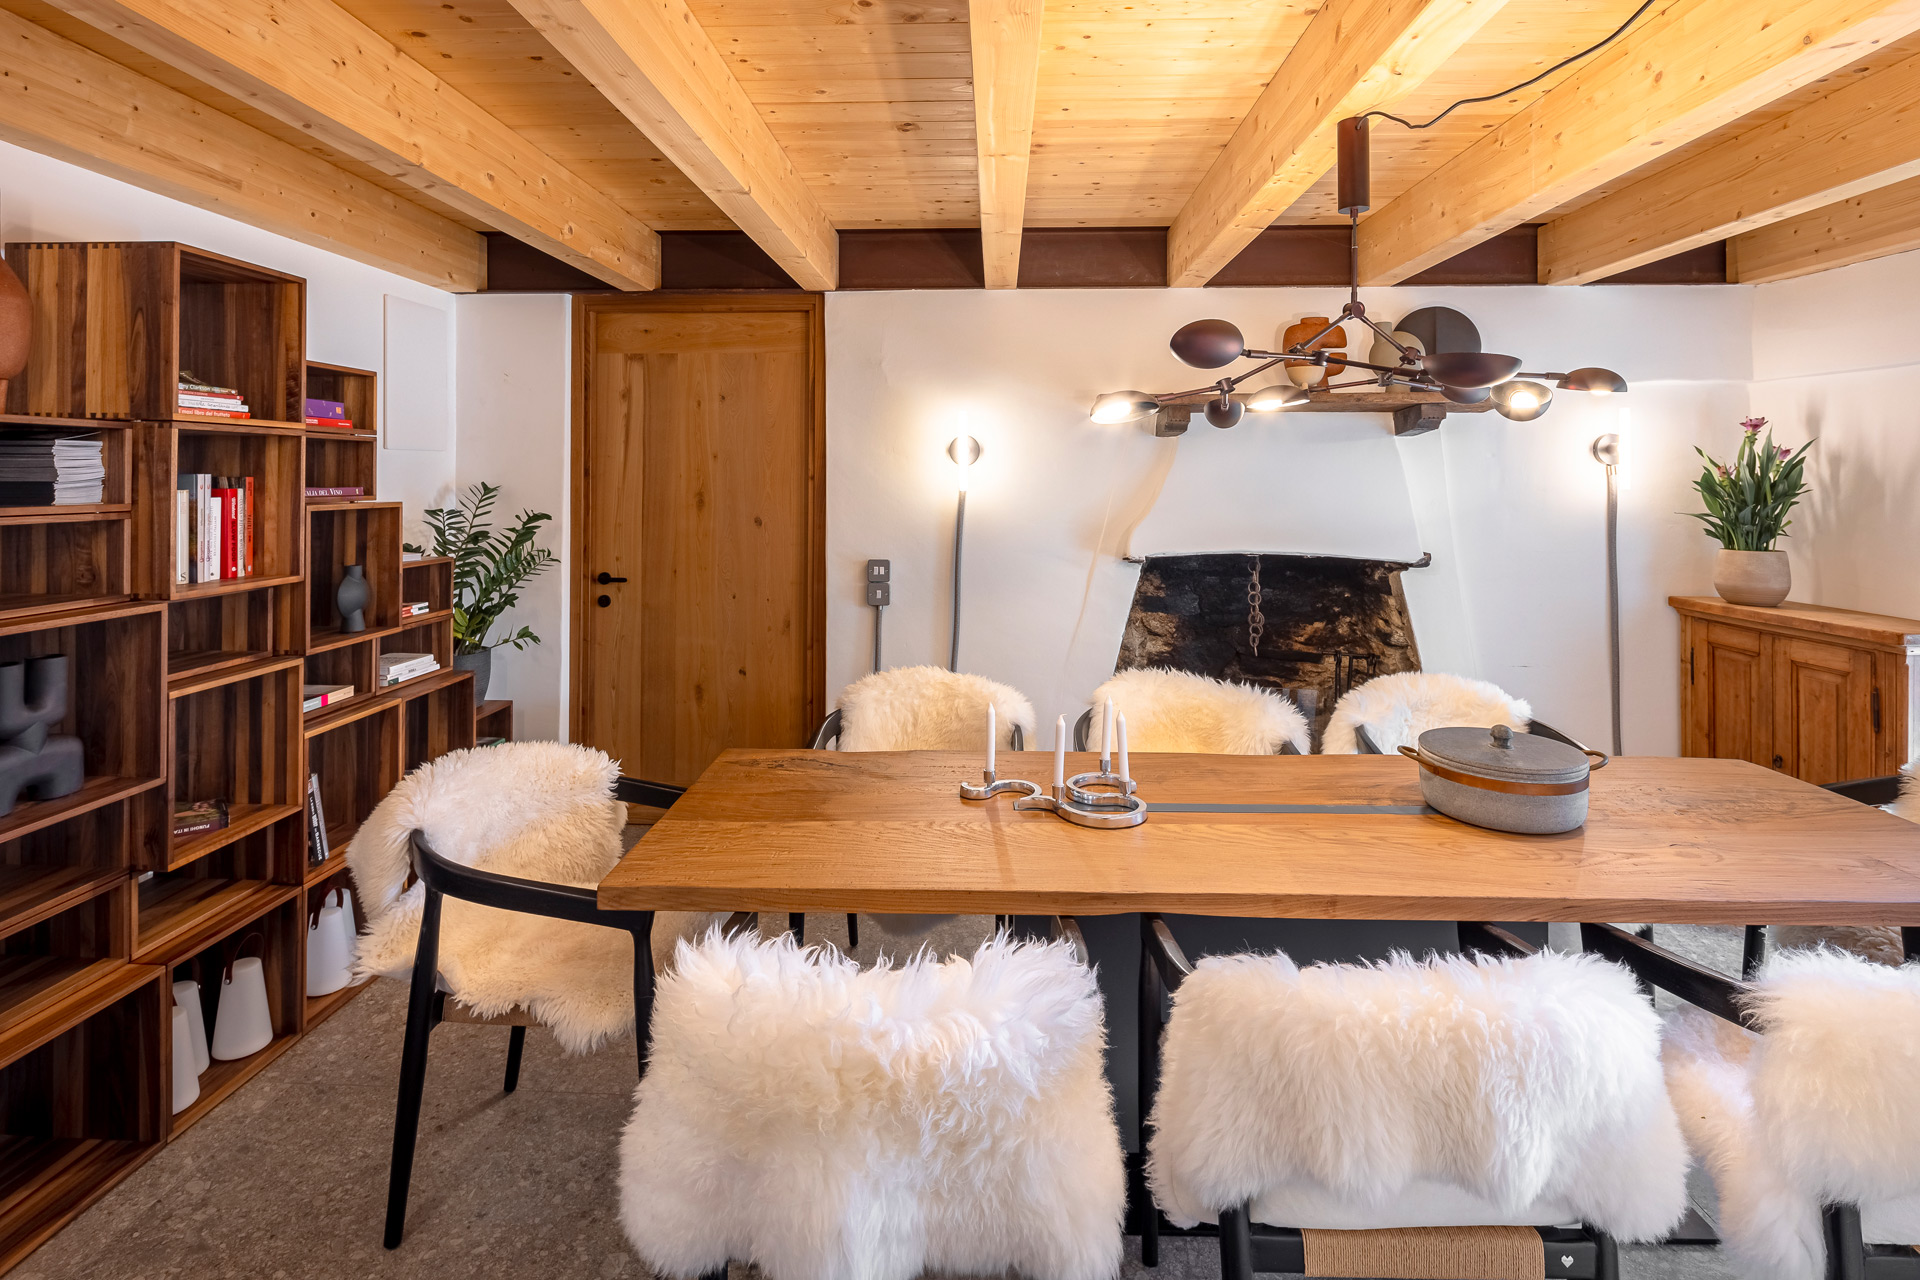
(606, 577)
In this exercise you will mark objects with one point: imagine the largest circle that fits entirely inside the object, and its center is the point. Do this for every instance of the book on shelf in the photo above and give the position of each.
(396, 667)
(196, 817)
(489, 742)
(315, 696)
(410, 556)
(336, 491)
(214, 528)
(44, 470)
(198, 396)
(231, 553)
(414, 608)
(336, 424)
(318, 408)
(317, 850)
(182, 533)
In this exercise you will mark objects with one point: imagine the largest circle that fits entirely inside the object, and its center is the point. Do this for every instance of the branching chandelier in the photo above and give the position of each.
(1462, 377)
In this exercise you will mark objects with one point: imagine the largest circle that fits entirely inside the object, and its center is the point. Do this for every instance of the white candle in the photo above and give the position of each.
(1106, 734)
(990, 737)
(1060, 752)
(1120, 734)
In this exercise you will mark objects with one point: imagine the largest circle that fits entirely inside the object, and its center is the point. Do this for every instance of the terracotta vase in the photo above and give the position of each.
(16, 327)
(1299, 372)
(1752, 577)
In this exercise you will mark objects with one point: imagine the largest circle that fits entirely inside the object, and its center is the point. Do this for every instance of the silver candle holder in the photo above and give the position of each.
(1106, 809)
(990, 786)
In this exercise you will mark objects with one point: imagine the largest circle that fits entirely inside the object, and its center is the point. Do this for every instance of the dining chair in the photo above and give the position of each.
(1795, 1090)
(1392, 711)
(1171, 710)
(1406, 1118)
(918, 709)
(819, 1119)
(518, 834)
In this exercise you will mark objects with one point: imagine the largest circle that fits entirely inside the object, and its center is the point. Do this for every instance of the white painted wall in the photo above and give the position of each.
(46, 199)
(1513, 513)
(513, 371)
(1834, 358)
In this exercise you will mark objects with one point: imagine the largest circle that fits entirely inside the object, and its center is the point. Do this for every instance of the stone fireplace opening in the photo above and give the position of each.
(1323, 624)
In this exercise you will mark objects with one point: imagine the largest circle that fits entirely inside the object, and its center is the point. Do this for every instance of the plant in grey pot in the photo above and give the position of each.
(489, 568)
(1748, 503)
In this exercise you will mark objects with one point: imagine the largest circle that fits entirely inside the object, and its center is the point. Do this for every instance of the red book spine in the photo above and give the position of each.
(248, 485)
(229, 531)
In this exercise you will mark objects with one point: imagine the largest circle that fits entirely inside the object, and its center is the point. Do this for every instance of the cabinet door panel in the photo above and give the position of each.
(1730, 690)
(1822, 713)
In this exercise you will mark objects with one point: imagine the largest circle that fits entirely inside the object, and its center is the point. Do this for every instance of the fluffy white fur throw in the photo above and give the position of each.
(928, 709)
(1397, 709)
(1819, 1108)
(829, 1123)
(538, 810)
(1179, 711)
(1452, 1092)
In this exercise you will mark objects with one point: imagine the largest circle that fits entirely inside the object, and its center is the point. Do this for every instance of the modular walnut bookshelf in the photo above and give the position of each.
(182, 692)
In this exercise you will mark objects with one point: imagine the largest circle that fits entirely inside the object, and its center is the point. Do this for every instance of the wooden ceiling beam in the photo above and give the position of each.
(1354, 56)
(1868, 226)
(1005, 36)
(655, 63)
(1692, 67)
(1863, 136)
(70, 103)
(313, 65)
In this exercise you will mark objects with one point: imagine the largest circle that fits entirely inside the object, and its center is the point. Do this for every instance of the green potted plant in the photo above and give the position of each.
(489, 568)
(1748, 504)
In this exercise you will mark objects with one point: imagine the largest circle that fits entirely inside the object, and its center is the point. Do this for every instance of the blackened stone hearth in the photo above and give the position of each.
(1331, 622)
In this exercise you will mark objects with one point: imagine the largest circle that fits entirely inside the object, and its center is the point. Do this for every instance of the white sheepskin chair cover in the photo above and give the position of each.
(1453, 1092)
(829, 1123)
(1397, 709)
(929, 709)
(537, 810)
(1819, 1108)
(1178, 711)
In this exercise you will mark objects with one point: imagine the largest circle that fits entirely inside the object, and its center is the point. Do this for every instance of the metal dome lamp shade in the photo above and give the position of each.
(1225, 411)
(1522, 401)
(1594, 381)
(1470, 370)
(1122, 406)
(1208, 344)
(1465, 395)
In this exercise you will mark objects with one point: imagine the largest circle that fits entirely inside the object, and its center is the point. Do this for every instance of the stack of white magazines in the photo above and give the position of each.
(395, 667)
(50, 471)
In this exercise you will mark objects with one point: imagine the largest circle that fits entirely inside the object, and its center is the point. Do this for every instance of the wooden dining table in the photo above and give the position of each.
(1305, 837)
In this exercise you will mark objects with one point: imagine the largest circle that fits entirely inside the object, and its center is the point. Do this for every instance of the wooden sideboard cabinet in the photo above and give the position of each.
(1823, 694)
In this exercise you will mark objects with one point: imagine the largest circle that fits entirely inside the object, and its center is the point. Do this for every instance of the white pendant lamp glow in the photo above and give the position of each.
(1462, 377)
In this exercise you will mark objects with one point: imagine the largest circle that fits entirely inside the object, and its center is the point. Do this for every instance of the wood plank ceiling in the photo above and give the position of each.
(1789, 128)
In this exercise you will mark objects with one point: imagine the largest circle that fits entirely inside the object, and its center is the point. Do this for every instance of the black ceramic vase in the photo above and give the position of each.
(350, 598)
(33, 696)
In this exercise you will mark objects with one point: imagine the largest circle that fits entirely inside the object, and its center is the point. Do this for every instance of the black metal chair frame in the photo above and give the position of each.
(1246, 1247)
(427, 996)
(1849, 1257)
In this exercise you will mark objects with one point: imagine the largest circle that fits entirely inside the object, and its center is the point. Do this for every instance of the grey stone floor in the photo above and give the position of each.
(287, 1179)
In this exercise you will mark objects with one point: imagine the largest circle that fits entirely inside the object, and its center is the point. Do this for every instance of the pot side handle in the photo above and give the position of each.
(1411, 753)
(1600, 759)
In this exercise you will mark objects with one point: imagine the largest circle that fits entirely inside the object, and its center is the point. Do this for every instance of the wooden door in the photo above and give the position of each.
(1728, 708)
(1822, 709)
(699, 465)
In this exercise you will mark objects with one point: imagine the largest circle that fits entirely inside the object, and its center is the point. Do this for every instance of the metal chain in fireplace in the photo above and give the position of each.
(1256, 620)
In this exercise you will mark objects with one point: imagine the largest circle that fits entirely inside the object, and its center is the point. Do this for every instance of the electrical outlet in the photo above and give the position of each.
(879, 594)
(879, 571)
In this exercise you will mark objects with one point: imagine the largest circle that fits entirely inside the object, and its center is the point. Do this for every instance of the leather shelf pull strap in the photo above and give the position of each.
(1428, 1253)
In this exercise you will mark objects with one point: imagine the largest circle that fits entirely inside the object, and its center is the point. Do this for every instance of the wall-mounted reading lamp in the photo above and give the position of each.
(964, 451)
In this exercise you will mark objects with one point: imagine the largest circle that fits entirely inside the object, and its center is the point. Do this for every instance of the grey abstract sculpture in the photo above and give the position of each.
(33, 695)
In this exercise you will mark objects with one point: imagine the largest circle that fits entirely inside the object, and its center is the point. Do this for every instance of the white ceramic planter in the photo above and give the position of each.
(1752, 577)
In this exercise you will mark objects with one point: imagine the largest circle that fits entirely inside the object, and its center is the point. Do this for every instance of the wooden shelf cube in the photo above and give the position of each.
(179, 911)
(439, 717)
(493, 719)
(115, 454)
(342, 534)
(130, 318)
(208, 634)
(275, 458)
(238, 741)
(357, 762)
(341, 461)
(277, 935)
(357, 389)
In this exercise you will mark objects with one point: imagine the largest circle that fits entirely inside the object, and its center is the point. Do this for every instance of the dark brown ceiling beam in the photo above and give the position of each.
(1058, 258)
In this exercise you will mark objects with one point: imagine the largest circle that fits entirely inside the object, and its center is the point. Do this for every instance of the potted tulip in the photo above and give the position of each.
(489, 568)
(1748, 502)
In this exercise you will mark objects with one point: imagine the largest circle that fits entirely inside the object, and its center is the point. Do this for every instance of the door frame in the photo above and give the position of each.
(585, 307)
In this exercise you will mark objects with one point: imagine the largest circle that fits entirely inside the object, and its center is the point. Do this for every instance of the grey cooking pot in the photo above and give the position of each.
(1505, 780)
